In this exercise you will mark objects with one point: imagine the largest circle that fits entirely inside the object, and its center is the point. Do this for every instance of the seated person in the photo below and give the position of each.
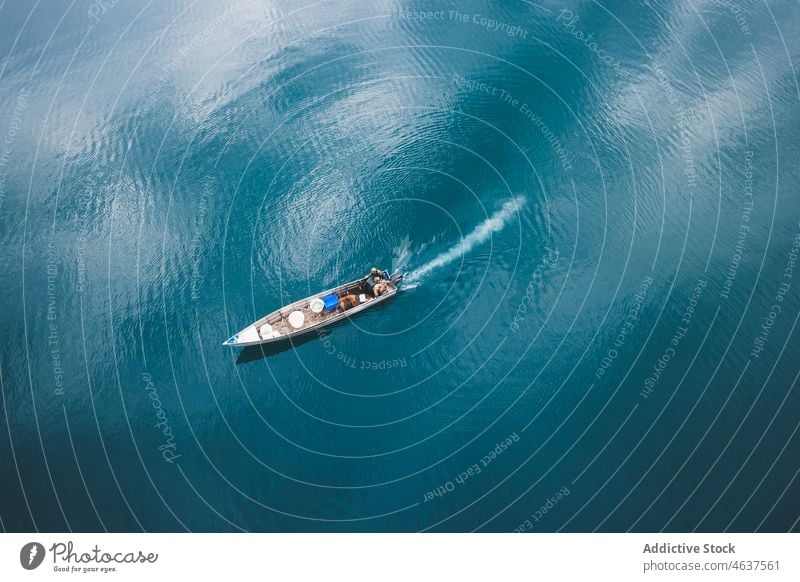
(376, 277)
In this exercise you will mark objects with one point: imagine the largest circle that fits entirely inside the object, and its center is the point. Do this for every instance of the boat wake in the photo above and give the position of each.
(479, 235)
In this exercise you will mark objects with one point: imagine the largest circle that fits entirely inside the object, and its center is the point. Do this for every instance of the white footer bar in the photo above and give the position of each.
(400, 557)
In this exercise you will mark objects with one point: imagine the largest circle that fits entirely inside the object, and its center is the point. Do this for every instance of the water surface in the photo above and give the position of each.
(595, 204)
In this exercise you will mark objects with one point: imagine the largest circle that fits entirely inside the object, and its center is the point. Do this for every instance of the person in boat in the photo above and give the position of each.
(376, 281)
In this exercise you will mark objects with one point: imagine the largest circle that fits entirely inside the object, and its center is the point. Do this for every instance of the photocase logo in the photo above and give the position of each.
(401, 254)
(31, 555)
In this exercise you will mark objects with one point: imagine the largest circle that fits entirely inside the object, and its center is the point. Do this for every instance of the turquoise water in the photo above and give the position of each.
(595, 206)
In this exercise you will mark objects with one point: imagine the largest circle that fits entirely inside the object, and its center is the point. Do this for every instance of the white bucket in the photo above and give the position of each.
(296, 319)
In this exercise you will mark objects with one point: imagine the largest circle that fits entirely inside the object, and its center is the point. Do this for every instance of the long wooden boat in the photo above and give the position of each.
(319, 310)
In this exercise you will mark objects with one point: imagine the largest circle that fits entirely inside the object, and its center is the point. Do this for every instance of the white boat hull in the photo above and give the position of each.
(250, 335)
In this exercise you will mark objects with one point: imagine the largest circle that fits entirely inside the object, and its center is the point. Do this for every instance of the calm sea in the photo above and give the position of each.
(595, 204)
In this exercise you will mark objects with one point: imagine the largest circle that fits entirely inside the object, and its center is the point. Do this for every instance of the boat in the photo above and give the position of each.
(319, 310)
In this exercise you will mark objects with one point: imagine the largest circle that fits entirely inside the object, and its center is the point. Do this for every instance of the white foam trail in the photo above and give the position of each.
(480, 234)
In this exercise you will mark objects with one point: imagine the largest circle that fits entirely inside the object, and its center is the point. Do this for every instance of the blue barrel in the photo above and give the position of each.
(331, 302)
